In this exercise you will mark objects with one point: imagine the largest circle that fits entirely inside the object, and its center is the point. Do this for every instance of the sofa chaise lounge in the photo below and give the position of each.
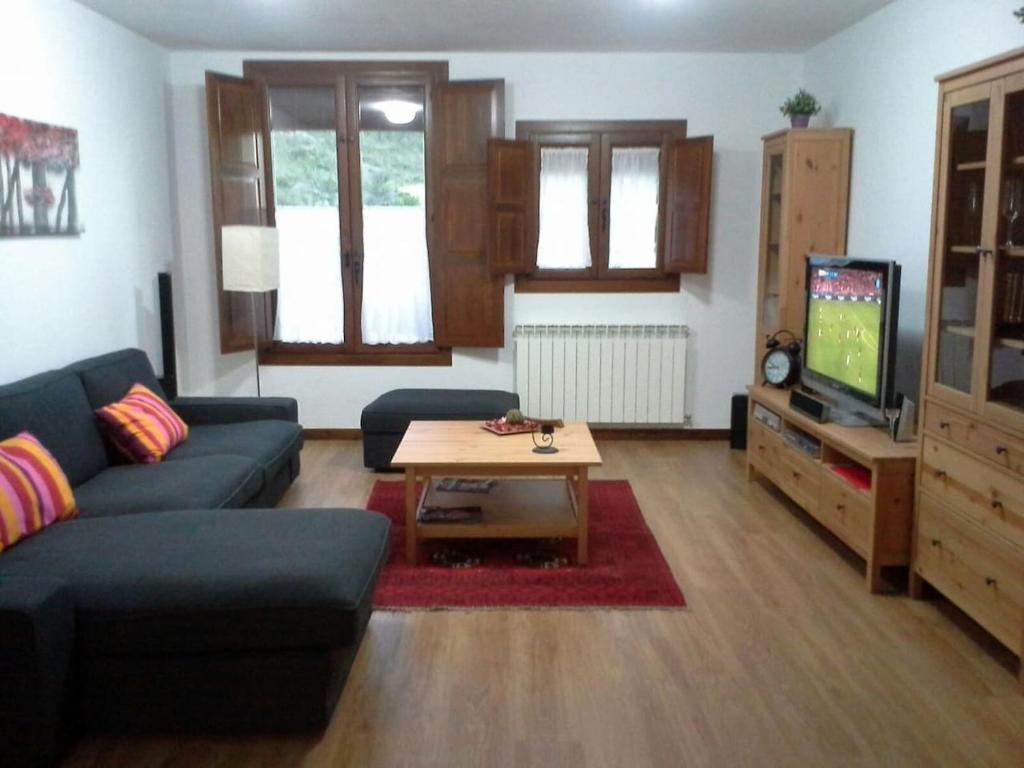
(175, 601)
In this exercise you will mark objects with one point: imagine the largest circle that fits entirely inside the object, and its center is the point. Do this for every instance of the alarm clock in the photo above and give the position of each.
(781, 363)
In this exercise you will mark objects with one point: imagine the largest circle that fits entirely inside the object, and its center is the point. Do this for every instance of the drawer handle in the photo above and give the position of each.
(940, 474)
(943, 425)
(796, 475)
(936, 542)
(841, 507)
(1001, 450)
(996, 504)
(990, 582)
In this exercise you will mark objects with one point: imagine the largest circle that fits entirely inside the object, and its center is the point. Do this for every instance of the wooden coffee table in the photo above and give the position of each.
(536, 496)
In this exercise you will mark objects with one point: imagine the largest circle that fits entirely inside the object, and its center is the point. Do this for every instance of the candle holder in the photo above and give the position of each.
(547, 439)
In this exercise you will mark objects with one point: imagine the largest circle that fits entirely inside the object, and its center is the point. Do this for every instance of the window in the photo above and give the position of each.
(310, 300)
(563, 240)
(392, 170)
(349, 191)
(600, 205)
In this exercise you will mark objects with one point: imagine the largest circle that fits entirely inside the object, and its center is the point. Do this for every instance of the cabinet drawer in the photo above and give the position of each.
(981, 573)
(979, 439)
(846, 512)
(762, 446)
(989, 496)
(799, 476)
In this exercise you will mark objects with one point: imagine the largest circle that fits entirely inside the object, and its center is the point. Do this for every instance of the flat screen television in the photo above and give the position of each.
(849, 352)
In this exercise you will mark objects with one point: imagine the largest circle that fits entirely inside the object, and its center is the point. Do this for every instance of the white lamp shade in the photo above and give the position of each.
(249, 257)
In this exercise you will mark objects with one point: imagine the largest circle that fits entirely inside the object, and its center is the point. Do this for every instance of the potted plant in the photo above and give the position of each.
(799, 108)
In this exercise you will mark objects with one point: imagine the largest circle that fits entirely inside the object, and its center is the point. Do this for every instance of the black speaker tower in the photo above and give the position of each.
(170, 378)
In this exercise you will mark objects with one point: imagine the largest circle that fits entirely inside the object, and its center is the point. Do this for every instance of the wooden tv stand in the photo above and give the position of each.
(860, 485)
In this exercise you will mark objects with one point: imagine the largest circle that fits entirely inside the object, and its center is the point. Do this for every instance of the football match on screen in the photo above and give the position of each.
(844, 319)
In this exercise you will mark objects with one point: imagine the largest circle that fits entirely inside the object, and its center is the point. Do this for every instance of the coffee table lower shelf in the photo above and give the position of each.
(515, 508)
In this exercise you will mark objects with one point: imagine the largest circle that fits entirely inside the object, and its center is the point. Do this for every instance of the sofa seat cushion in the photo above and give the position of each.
(208, 482)
(392, 411)
(201, 582)
(271, 444)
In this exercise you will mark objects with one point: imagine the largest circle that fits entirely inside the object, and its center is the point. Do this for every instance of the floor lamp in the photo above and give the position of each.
(249, 259)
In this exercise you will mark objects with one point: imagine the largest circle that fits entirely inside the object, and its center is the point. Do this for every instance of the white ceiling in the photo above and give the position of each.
(488, 25)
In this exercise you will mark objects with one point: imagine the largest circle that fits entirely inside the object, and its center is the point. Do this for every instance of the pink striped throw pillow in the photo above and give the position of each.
(34, 491)
(142, 426)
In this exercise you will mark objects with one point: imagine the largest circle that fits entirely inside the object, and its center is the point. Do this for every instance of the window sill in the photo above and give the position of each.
(541, 284)
(284, 356)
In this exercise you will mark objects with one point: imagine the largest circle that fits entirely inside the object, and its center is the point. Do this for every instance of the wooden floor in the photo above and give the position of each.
(782, 659)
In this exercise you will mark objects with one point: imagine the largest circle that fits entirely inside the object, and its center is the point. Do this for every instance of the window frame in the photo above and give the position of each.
(601, 137)
(346, 77)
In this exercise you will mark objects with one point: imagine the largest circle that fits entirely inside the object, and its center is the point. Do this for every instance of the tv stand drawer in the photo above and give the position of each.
(846, 512)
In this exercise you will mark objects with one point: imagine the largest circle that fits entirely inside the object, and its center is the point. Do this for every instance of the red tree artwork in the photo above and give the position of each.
(35, 160)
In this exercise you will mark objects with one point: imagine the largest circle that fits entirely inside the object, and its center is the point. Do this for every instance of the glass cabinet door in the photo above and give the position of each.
(770, 309)
(963, 204)
(1005, 374)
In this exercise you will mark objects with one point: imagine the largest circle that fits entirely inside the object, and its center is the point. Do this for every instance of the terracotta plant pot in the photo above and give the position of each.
(799, 121)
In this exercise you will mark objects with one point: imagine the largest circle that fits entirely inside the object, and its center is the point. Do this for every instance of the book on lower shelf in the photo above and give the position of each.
(464, 485)
(857, 476)
(461, 514)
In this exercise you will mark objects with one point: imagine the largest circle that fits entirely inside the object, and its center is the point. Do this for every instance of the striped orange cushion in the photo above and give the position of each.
(142, 426)
(34, 491)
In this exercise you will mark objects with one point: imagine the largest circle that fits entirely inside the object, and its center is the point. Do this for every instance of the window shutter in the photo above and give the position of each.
(688, 204)
(512, 198)
(238, 182)
(469, 301)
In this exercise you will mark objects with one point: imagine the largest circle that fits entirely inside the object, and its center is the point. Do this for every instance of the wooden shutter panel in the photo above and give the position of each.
(469, 301)
(512, 198)
(688, 204)
(236, 122)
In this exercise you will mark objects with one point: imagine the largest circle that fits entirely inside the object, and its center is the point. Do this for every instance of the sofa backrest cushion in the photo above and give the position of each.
(53, 407)
(34, 491)
(108, 378)
(142, 426)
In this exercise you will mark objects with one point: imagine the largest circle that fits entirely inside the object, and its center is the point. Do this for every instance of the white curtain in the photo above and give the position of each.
(396, 276)
(564, 238)
(310, 305)
(632, 239)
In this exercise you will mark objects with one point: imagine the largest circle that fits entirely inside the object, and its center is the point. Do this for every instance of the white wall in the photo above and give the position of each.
(878, 77)
(66, 298)
(735, 97)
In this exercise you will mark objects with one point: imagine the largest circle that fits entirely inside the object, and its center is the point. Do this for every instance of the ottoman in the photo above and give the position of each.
(385, 420)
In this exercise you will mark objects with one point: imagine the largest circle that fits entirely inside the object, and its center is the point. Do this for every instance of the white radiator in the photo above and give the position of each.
(603, 374)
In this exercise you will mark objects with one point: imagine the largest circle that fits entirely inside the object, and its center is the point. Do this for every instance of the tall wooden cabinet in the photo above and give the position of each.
(804, 201)
(969, 538)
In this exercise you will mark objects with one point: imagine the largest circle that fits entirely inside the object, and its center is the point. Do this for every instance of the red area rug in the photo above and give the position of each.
(626, 570)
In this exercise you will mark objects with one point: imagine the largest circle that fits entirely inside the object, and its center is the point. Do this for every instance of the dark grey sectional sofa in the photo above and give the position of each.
(176, 601)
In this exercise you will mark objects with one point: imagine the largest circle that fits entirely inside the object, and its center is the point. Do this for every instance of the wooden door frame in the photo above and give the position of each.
(772, 147)
(930, 386)
(993, 411)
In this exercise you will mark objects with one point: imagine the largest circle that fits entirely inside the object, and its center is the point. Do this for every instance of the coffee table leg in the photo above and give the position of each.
(582, 513)
(410, 515)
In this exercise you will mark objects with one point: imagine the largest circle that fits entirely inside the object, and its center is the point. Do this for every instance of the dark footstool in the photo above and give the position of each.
(385, 420)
